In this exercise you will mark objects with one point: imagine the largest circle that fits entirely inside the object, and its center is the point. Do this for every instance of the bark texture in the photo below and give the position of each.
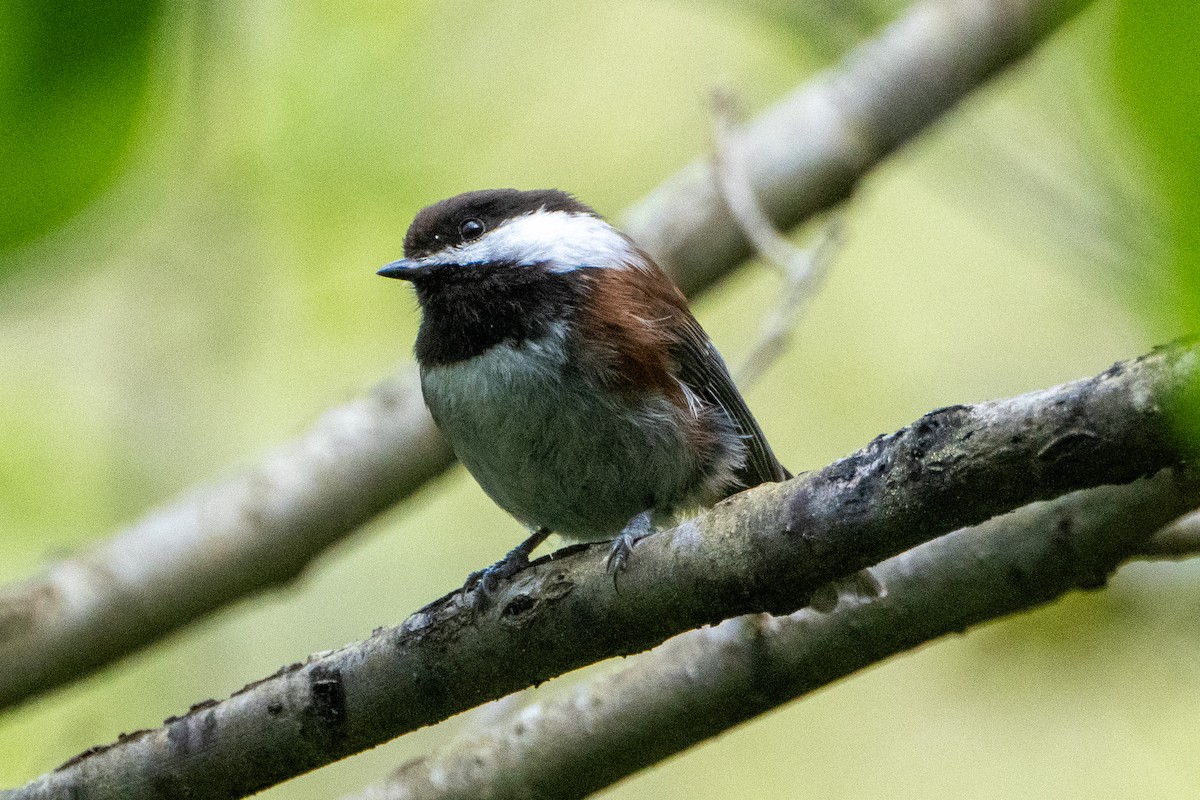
(765, 550)
(703, 683)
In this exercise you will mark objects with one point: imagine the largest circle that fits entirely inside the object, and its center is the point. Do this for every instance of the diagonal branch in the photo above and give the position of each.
(809, 150)
(243, 535)
(703, 683)
(765, 550)
(1179, 540)
(218, 543)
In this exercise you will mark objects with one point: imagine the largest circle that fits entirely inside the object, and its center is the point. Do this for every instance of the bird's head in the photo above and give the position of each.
(476, 234)
(503, 265)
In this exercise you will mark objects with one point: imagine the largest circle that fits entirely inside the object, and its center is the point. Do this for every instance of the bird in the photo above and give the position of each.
(568, 374)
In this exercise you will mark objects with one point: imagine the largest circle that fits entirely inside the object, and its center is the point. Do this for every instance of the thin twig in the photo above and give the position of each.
(802, 270)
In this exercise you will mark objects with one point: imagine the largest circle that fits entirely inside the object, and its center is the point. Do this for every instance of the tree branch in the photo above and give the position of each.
(1179, 540)
(810, 150)
(705, 682)
(234, 538)
(764, 550)
(218, 543)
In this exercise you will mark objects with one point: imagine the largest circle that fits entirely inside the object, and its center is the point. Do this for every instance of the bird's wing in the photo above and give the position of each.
(703, 370)
(639, 322)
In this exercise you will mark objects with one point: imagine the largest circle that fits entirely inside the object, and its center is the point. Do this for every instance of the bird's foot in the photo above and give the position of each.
(622, 547)
(484, 583)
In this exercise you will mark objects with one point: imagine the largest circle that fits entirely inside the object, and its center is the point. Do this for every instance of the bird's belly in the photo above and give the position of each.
(560, 454)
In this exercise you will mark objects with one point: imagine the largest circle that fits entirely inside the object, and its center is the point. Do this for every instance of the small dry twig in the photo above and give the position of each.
(802, 269)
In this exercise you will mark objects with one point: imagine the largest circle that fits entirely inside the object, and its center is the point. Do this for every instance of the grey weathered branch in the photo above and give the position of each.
(702, 683)
(764, 550)
(1180, 539)
(246, 534)
(218, 543)
(810, 150)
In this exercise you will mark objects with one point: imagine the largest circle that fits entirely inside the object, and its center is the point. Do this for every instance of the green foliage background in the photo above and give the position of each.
(195, 198)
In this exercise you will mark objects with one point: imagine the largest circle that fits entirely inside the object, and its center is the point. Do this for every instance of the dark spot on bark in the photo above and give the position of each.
(933, 428)
(1082, 572)
(1068, 445)
(1072, 568)
(767, 684)
(125, 737)
(519, 605)
(1019, 578)
(190, 734)
(556, 587)
(955, 409)
(274, 708)
(328, 704)
(80, 757)
(208, 728)
(284, 670)
(842, 471)
(203, 704)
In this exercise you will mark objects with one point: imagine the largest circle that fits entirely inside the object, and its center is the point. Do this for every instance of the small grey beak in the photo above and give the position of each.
(406, 269)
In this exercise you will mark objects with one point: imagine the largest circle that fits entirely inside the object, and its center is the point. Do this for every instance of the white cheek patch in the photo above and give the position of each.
(564, 240)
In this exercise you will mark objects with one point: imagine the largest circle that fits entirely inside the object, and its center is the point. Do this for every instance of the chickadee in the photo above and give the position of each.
(569, 376)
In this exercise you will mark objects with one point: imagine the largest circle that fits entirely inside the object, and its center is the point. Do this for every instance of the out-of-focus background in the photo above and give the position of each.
(194, 199)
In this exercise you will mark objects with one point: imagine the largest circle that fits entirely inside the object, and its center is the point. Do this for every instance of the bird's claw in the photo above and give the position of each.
(484, 583)
(622, 546)
(618, 554)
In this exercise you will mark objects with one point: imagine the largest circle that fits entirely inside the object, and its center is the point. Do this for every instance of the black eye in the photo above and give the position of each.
(470, 229)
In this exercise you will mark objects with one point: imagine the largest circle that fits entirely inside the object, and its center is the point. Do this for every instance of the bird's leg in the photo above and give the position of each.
(485, 581)
(638, 528)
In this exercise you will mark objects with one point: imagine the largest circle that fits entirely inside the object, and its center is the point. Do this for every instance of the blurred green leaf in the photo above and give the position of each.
(1157, 71)
(1157, 66)
(74, 78)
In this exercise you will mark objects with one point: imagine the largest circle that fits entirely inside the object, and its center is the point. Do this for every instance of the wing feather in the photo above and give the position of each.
(651, 340)
(703, 370)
